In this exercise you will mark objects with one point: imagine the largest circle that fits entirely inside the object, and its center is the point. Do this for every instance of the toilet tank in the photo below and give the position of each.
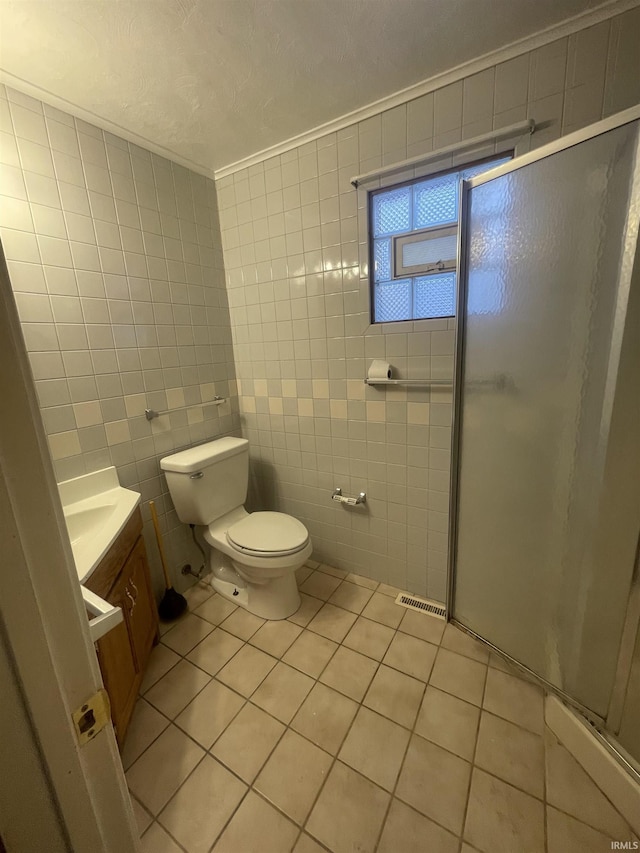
(209, 480)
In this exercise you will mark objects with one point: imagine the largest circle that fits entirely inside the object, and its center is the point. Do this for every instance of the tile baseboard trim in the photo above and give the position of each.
(595, 759)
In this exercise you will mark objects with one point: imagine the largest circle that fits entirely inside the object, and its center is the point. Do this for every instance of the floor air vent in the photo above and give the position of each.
(412, 602)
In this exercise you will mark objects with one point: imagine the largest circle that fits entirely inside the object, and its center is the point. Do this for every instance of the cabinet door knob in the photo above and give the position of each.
(131, 599)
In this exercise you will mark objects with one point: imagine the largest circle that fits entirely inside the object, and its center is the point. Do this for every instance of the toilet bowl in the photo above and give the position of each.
(253, 557)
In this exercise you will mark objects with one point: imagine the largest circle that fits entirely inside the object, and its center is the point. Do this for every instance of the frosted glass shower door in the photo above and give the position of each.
(548, 246)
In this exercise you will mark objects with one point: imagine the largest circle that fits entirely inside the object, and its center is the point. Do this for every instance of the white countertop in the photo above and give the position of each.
(96, 508)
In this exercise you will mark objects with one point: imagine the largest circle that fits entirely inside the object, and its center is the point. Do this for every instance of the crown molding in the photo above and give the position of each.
(495, 57)
(70, 108)
(517, 48)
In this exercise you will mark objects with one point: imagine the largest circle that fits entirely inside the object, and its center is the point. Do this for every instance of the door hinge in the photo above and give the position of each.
(92, 716)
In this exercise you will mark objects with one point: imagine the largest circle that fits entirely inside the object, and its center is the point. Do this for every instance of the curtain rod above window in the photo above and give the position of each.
(518, 129)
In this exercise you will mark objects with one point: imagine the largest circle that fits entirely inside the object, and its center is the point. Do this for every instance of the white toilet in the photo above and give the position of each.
(254, 556)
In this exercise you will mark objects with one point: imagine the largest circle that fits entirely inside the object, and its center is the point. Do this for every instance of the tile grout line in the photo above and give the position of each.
(361, 705)
(379, 662)
(316, 679)
(404, 758)
(472, 762)
(246, 700)
(187, 734)
(346, 734)
(245, 642)
(287, 728)
(250, 787)
(568, 814)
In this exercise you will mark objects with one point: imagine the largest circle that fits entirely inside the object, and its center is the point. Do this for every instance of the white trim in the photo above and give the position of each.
(512, 130)
(25, 787)
(410, 93)
(43, 614)
(466, 69)
(582, 742)
(72, 109)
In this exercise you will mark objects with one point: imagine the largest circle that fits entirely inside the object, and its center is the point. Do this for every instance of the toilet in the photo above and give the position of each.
(253, 556)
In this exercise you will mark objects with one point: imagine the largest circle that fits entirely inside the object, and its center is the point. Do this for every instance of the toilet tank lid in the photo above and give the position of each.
(195, 458)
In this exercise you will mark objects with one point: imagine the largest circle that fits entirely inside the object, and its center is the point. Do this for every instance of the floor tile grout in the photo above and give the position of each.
(392, 796)
(399, 774)
(475, 750)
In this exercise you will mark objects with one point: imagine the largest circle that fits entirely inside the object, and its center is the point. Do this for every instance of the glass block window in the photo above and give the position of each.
(433, 295)
(382, 260)
(392, 212)
(393, 300)
(436, 201)
(413, 237)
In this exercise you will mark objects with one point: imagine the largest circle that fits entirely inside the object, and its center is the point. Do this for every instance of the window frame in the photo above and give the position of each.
(404, 236)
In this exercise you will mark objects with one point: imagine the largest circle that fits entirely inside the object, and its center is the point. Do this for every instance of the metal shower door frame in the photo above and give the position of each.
(632, 616)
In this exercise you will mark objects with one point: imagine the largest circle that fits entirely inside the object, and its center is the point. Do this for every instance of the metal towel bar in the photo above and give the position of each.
(150, 414)
(411, 383)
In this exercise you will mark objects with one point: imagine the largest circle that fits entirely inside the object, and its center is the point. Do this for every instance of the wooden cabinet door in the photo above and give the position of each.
(143, 616)
(117, 662)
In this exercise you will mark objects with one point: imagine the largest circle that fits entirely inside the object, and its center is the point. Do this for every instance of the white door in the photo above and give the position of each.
(78, 798)
(547, 500)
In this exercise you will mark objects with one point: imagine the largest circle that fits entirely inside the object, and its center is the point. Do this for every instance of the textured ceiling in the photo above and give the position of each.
(217, 80)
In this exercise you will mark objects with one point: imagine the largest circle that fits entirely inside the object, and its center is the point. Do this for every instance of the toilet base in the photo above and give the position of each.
(230, 590)
(277, 599)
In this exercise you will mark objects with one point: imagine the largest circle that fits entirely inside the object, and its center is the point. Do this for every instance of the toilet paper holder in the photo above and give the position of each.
(350, 501)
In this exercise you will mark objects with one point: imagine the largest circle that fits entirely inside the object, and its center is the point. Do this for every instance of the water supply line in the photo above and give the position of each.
(187, 570)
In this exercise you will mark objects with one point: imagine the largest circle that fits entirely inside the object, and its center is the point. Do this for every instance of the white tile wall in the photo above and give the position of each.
(115, 260)
(295, 257)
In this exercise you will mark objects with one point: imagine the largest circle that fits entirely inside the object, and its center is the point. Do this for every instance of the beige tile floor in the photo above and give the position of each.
(355, 726)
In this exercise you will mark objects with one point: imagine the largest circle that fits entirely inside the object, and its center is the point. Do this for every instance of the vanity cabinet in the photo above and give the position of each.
(122, 578)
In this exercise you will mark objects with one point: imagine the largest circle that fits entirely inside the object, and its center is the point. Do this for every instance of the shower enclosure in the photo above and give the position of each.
(546, 487)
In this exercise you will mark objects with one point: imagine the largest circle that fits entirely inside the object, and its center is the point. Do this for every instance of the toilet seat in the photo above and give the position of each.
(268, 534)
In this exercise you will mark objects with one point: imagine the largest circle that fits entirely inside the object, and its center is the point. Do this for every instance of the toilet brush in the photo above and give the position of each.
(173, 604)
